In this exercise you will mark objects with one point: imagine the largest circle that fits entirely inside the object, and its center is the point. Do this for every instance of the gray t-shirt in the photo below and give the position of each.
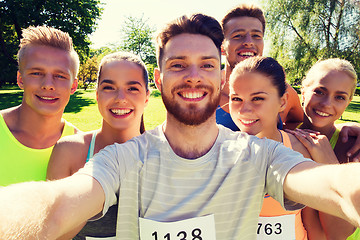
(229, 181)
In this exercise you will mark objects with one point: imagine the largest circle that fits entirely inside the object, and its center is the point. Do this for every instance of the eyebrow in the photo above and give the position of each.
(58, 71)
(338, 92)
(244, 30)
(184, 57)
(107, 81)
(113, 82)
(256, 93)
(134, 83)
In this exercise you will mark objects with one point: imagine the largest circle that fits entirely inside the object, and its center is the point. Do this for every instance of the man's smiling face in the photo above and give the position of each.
(244, 38)
(190, 78)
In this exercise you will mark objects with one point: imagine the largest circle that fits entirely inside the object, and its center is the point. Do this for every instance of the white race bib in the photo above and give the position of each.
(275, 228)
(100, 238)
(198, 228)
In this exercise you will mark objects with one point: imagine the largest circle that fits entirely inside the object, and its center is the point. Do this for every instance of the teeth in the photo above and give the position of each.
(47, 98)
(120, 111)
(322, 113)
(248, 121)
(192, 95)
(251, 54)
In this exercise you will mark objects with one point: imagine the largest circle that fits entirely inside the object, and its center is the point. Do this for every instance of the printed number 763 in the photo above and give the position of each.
(269, 228)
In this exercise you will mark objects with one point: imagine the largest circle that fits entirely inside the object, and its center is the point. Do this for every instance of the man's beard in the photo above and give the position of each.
(191, 116)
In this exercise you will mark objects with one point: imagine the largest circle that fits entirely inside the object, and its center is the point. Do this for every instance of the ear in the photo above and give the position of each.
(147, 97)
(19, 80)
(223, 79)
(74, 86)
(157, 78)
(302, 95)
(223, 49)
(283, 101)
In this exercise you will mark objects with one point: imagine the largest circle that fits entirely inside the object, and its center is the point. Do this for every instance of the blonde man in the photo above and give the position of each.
(48, 65)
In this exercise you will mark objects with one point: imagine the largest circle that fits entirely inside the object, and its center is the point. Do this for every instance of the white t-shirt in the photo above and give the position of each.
(229, 181)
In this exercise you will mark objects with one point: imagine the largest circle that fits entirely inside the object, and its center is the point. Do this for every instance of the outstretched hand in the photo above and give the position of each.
(317, 144)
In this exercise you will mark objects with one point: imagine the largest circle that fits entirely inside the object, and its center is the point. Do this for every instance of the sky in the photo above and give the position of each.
(157, 13)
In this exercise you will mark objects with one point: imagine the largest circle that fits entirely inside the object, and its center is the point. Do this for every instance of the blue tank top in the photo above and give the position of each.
(224, 118)
(105, 227)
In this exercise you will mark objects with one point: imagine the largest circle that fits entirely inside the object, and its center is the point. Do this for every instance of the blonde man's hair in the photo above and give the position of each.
(47, 36)
(331, 64)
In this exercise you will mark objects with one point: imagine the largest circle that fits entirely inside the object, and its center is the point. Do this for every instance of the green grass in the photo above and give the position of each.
(82, 109)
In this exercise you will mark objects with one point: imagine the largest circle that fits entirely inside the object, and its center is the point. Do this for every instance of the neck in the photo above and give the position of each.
(33, 129)
(273, 134)
(327, 130)
(224, 96)
(190, 141)
(228, 71)
(108, 135)
(34, 123)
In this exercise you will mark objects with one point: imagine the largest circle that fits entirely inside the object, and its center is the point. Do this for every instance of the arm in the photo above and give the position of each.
(68, 156)
(47, 210)
(333, 189)
(335, 228)
(320, 225)
(351, 129)
(293, 113)
(311, 221)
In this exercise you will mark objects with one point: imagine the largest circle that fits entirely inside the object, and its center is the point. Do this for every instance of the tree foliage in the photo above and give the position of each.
(137, 38)
(88, 72)
(77, 17)
(89, 68)
(305, 31)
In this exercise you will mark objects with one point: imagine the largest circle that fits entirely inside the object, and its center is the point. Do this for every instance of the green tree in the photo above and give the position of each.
(137, 38)
(89, 68)
(88, 72)
(304, 31)
(77, 17)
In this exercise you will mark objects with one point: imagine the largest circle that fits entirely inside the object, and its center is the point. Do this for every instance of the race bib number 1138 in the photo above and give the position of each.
(199, 228)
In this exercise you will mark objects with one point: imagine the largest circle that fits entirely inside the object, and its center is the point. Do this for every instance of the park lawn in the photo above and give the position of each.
(82, 109)
(89, 118)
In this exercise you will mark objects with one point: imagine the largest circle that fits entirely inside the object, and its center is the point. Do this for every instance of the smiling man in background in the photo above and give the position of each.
(48, 65)
(244, 28)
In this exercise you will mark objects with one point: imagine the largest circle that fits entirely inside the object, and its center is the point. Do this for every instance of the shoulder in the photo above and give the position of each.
(149, 141)
(10, 115)
(71, 126)
(297, 146)
(236, 141)
(292, 92)
(78, 140)
(7, 111)
(69, 155)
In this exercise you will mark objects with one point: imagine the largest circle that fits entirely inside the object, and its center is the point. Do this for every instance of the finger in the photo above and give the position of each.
(302, 138)
(309, 131)
(356, 159)
(290, 131)
(344, 134)
(355, 149)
